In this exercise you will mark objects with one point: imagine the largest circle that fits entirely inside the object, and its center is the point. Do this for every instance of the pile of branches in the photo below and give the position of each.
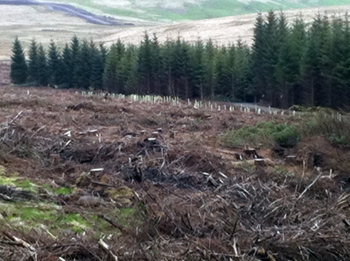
(255, 217)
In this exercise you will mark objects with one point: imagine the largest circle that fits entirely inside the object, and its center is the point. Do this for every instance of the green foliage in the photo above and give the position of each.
(97, 66)
(67, 67)
(42, 74)
(19, 69)
(145, 68)
(55, 68)
(110, 74)
(264, 133)
(83, 66)
(129, 70)
(33, 69)
(64, 191)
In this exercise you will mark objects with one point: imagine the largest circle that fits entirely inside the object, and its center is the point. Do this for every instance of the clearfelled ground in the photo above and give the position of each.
(75, 169)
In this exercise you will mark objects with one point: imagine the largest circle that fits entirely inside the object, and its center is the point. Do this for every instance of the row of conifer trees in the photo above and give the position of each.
(288, 63)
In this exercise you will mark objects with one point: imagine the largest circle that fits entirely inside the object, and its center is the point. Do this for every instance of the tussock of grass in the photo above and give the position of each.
(334, 127)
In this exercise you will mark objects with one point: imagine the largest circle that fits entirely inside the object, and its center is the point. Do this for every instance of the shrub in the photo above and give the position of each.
(264, 133)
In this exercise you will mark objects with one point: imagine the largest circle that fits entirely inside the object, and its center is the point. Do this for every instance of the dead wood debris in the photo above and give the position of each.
(192, 200)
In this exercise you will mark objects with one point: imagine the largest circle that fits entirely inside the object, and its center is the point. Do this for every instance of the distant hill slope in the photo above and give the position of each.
(176, 10)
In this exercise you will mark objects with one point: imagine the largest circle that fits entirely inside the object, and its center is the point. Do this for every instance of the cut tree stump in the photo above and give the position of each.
(259, 163)
(251, 153)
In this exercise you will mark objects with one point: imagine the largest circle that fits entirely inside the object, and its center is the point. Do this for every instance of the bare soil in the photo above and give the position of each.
(193, 199)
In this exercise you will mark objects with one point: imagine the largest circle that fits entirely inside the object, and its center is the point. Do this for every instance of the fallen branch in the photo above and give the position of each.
(105, 247)
(113, 223)
(24, 244)
(16, 117)
(308, 187)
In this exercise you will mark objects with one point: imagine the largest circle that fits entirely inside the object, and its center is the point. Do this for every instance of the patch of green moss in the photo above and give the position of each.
(27, 215)
(33, 214)
(126, 212)
(17, 182)
(64, 191)
(50, 217)
(73, 221)
(26, 184)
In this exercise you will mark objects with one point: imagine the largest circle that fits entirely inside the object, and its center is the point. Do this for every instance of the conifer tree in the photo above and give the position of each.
(209, 87)
(168, 57)
(312, 64)
(156, 66)
(222, 74)
(120, 55)
(258, 58)
(323, 95)
(97, 67)
(272, 48)
(42, 72)
(67, 67)
(145, 66)
(103, 52)
(82, 70)
(231, 60)
(74, 60)
(19, 69)
(198, 65)
(283, 51)
(129, 70)
(338, 55)
(290, 59)
(55, 69)
(110, 76)
(241, 75)
(181, 69)
(185, 71)
(33, 62)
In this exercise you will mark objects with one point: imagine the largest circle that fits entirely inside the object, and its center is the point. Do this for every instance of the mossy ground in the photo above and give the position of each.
(44, 214)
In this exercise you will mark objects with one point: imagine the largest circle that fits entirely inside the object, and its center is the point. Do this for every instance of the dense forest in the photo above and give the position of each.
(288, 63)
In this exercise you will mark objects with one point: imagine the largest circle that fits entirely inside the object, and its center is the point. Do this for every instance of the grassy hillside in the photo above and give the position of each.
(191, 9)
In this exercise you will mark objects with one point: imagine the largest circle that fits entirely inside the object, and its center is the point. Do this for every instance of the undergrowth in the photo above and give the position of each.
(326, 123)
(263, 134)
(333, 127)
